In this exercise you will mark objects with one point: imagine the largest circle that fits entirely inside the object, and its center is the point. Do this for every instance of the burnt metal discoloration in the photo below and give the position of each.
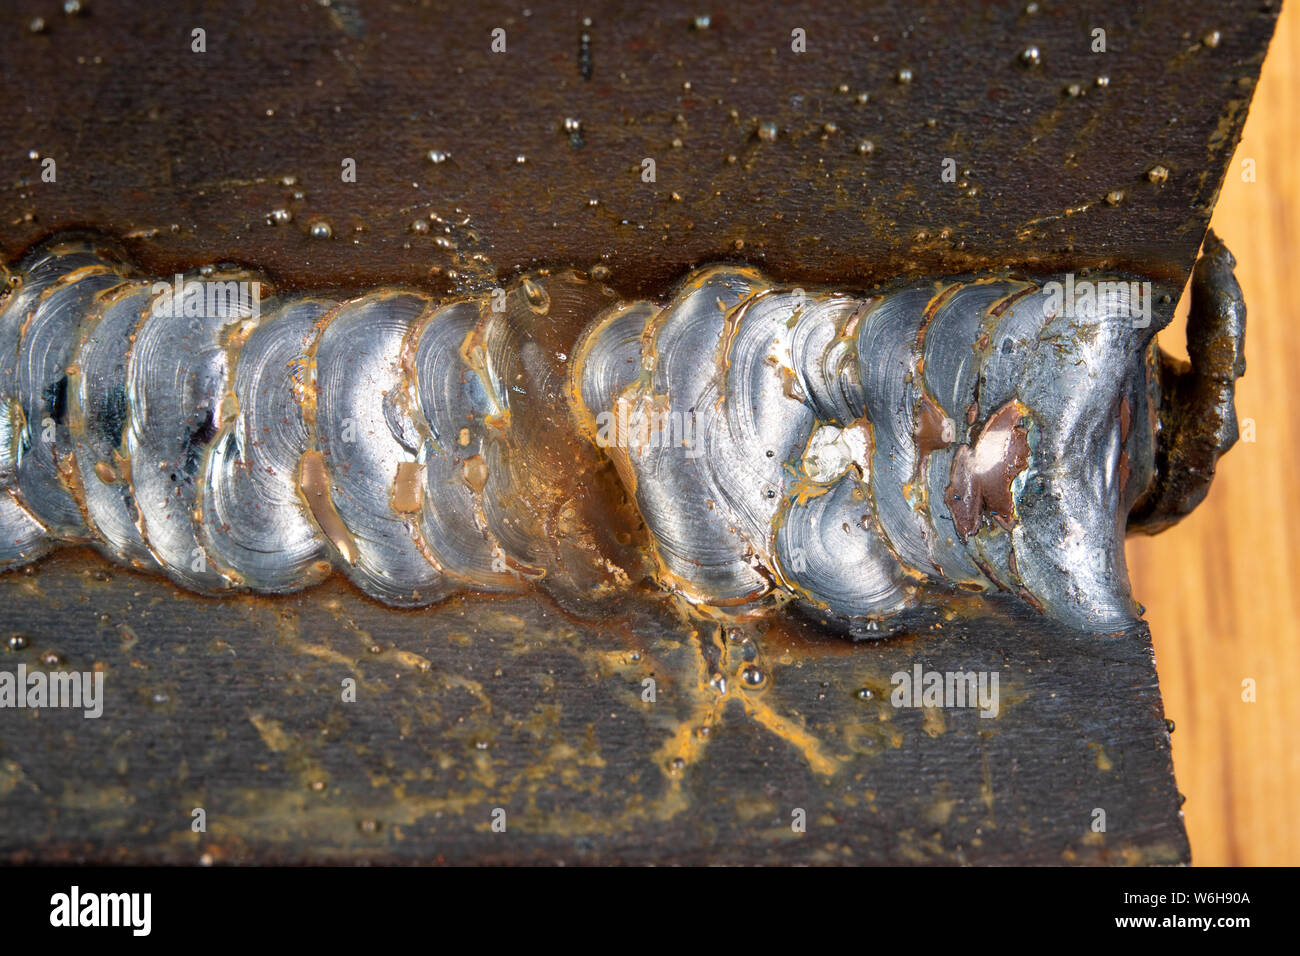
(983, 471)
(1198, 421)
(934, 429)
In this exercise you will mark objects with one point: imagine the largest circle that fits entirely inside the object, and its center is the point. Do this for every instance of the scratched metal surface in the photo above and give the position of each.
(235, 706)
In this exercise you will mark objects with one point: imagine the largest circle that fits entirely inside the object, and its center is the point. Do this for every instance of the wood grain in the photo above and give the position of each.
(1220, 589)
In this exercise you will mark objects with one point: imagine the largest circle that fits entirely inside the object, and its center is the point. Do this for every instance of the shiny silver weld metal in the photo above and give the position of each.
(856, 455)
(852, 452)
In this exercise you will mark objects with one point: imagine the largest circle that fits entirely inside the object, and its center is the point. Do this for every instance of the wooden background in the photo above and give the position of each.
(1221, 589)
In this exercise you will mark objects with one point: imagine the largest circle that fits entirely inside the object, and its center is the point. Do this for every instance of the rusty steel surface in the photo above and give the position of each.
(506, 704)
(187, 153)
(485, 704)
